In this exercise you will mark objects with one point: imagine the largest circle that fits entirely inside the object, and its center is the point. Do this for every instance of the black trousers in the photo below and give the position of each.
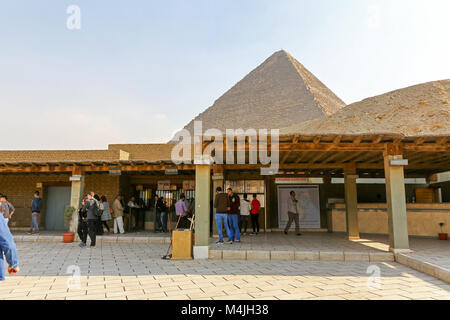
(82, 230)
(255, 222)
(105, 223)
(92, 230)
(158, 225)
(243, 223)
(99, 228)
(183, 224)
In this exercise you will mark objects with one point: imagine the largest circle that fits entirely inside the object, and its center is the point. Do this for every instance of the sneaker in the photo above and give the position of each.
(230, 241)
(92, 246)
(238, 241)
(29, 232)
(285, 232)
(219, 242)
(299, 234)
(253, 234)
(82, 245)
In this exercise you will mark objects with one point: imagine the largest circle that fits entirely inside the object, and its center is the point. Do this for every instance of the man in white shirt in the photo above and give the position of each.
(294, 211)
(245, 209)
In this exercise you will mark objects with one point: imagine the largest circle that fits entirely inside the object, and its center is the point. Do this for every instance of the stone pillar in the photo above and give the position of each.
(325, 212)
(396, 201)
(76, 195)
(351, 202)
(202, 210)
(218, 180)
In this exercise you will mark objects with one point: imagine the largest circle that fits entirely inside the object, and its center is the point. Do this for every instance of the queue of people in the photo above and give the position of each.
(233, 214)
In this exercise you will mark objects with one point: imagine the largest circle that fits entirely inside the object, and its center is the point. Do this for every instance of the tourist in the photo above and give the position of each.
(158, 209)
(36, 207)
(233, 215)
(132, 207)
(6, 208)
(91, 208)
(7, 248)
(293, 213)
(99, 226)
(118, 215)
(181, 211)
(82, 229)
(163, 215)
(246, 207)
(222, 205)
(106, 215)
(255, 215)
(191, 210)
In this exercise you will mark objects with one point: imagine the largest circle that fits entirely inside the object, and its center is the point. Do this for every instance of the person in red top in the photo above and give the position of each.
(255, 215)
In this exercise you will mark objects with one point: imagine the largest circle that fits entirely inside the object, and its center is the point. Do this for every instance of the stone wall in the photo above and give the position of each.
(20, 188)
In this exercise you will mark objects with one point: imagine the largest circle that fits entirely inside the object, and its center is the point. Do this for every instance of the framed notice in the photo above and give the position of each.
(164, 185)
(189, 185)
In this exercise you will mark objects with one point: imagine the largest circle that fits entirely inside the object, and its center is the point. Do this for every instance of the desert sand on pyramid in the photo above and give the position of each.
(420, 110)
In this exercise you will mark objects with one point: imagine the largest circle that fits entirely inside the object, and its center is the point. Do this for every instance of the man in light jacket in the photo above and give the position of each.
(246, 207)
(118, 215)
(294, 211)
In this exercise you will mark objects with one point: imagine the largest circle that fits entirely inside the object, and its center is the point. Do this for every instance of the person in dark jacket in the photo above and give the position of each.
(222, 205)
(233, 215)
(163, 215)
(82, 224)
(91, 208)
(36, 207)
(158, 210)
(7, 248)
(99, 226)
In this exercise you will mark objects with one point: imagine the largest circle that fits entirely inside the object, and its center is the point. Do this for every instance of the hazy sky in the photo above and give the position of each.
(136, 71)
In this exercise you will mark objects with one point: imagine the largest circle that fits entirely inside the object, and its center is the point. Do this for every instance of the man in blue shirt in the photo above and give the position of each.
(8, 248)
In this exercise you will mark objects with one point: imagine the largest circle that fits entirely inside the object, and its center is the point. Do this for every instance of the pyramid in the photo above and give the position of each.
(277, 94)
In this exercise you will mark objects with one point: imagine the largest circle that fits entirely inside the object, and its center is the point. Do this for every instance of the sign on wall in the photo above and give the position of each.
(189, 185)
(308, 197)
(164, 185)
(171, 170)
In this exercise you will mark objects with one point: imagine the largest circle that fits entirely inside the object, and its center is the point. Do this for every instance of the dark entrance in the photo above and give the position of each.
(57, 198)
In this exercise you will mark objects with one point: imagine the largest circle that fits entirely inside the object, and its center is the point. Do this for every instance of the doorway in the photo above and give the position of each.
(57, 198)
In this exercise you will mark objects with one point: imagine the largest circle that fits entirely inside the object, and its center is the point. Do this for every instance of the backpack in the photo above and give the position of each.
(98, 208)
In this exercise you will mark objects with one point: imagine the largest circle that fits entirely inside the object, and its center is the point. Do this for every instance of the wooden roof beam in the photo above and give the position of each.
(337, 139)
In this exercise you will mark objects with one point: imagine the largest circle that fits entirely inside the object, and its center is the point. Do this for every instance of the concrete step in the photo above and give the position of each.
(100, 239)
(423, 266)
(312, 255)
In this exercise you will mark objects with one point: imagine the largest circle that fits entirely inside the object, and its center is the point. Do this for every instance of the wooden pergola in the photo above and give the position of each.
(348, 156)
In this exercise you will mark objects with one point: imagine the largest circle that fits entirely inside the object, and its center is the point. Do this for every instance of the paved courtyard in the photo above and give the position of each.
(135, 271)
